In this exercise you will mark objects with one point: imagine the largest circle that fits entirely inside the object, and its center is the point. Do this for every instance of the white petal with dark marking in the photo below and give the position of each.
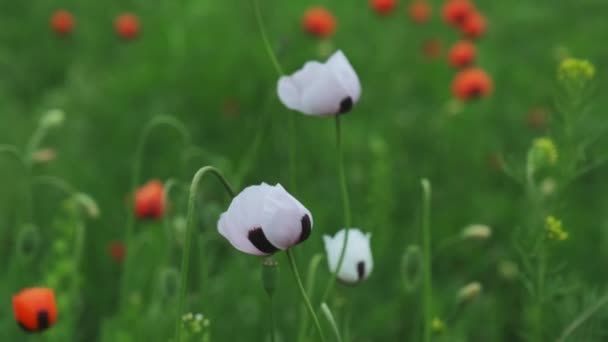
(358, 262)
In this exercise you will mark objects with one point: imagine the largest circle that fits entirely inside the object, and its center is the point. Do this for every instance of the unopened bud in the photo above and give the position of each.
(44, 155)
(477, 232)
(270, 275)
(88, 204)
(469, 292)
(53, 118)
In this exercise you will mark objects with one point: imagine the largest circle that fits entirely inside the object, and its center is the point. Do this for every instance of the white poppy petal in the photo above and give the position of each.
(287, 221)
(341, 68)
(324, 96)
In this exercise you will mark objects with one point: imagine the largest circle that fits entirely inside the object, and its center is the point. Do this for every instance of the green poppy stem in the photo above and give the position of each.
(296, 274)
(427, 286)
(13, 152)
(191, 223)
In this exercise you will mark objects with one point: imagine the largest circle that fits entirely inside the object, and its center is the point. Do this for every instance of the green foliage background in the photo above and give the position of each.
(203, 62)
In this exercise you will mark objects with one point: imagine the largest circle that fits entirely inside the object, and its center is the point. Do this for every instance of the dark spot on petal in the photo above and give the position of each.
(475, 92)
(361, 270)
(305, 228)
(43, 320)
(259, 240)
(346, 105)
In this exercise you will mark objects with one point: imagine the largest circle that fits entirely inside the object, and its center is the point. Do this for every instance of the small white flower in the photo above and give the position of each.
(328, 88)
(263, 219)
(358, 263)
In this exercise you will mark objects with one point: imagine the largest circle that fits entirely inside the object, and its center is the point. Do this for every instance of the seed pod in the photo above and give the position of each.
(270, 275)
(411, 268)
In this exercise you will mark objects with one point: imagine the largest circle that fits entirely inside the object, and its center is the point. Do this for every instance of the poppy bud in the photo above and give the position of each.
(469, 292)
(35, 309)
(88, 204)
(477, 232)
(270, 275)
(319, 22)
(127, 26)
(62, 22)
(52, 119)
(542, 153)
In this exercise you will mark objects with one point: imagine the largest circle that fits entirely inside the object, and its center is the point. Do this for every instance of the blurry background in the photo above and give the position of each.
(203, 63)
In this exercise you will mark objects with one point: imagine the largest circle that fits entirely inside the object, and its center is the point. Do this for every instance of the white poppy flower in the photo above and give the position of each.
(358, 263)
(263, 219)
(328, 88)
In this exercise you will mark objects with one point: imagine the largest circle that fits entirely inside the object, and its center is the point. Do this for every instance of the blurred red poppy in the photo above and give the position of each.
(474, 26)
(62, 22)
(35, 309)
(319, 22)
(420, 11)
(462, 54)
(150, 200)
(383, 7)
(455, 12)
(127, 26)
(432, 48)
(471, 84)
(117, 251)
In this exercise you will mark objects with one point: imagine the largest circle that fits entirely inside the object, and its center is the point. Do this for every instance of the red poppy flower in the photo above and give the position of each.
(462, 54)
(420, 11)
(62, 22)
(472, 83)
(474, 26)
(35, 309)
(117, 251)
(455, 12)
(150, 200)
(383, 7)
(319, 22)
(432, 48)
(127, 26)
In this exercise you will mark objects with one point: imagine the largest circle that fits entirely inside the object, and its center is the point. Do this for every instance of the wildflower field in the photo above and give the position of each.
(294, 171)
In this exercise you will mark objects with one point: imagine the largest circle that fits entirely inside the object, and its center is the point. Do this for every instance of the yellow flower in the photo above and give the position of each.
(573, 70)
(437, 325)
(554, 228)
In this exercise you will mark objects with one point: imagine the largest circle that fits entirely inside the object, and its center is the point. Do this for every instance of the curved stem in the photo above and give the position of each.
(56, 183)
(267, 46)
(170, 184)
(582, 318)
(157, 121)
(191, 222)
(330, 318)
(296, 274)
(345, 206)
(272, 322)
(426, 259)
(13, 152)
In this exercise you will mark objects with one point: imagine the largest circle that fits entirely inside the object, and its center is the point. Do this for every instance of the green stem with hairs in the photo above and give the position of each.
(291, 127)
(191, 223)
(296, 274)
(157, 121)
(346, 208)
(427, 288)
